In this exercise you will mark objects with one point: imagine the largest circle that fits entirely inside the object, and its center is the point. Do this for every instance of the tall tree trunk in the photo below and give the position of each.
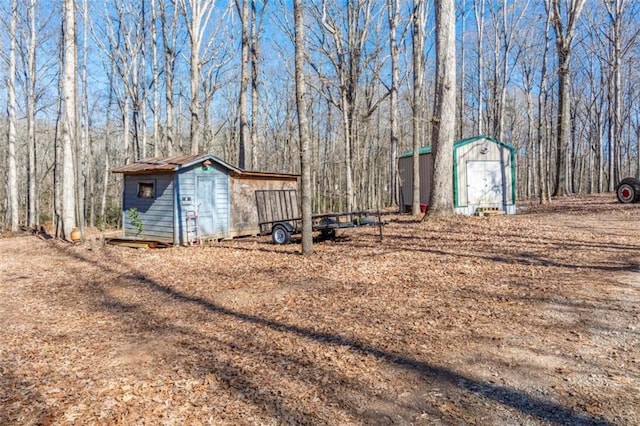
(303, 129)
(69, 121)
(200, 12)
(32, 193)
(141, 87)
(462, 79)
(478, 8)
(563, 125)
(169, 39)
(194, 105)
(83, 143)
(393, 7)
(256, 34)
(243, 10)
(564, 29)
(107, 141)
(441, 199)
(348, 153)
(155, 72)
(543, 176)
(418, 98)
(614, 10)
(12, 178)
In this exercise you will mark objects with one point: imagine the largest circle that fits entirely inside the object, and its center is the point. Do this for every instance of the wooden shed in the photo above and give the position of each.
(180, 198)
(484, 176)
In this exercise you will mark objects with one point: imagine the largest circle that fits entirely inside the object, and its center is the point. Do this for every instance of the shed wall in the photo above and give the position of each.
(156, 213)
(482, 150)
(204, 191)
(244, 213)
(405, 171)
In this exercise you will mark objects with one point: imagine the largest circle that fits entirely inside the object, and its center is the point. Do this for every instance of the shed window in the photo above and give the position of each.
(146, 190)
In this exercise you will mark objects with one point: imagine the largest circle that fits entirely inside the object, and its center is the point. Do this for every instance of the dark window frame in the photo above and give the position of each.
(147, 189)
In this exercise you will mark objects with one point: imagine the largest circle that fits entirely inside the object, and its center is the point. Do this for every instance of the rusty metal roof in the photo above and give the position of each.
(161, 164)
(173, 164)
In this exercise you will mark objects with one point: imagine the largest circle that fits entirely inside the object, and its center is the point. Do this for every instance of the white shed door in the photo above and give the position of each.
(484, 182)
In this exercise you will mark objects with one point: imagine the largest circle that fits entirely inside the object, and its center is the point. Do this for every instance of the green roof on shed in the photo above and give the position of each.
(457, 144)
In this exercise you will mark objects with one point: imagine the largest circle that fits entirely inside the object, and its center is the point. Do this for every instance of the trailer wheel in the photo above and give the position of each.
(280, 235)
(628, 190)
(330, 232)
(366, 220)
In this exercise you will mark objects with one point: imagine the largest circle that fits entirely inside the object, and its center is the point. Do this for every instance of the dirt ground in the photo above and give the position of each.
(527, 319)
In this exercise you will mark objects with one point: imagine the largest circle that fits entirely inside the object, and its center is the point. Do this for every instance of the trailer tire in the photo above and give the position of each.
(366, 220)
(280, 234)
(628, 190)
(330, 232)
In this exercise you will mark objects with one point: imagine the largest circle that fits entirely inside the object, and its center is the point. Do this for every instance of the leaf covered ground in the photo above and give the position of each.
(524, 319)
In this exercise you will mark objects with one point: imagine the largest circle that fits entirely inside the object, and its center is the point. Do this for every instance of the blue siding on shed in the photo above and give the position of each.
(195, 198)
(156, 214)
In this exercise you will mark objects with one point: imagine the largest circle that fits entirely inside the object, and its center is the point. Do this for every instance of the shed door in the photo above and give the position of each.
(484, 182)
(206, 190)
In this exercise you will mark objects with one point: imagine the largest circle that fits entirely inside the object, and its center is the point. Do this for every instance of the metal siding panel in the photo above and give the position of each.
(461, 158)
(426, 171)
(405, 171)
(473, 152)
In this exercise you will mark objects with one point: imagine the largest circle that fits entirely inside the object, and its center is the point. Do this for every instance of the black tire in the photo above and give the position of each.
(366, 220)
(280, 235)
(330, 232)
(628, 190)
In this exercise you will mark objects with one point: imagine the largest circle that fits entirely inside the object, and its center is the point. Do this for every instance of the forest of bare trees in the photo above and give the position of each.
(91, 85)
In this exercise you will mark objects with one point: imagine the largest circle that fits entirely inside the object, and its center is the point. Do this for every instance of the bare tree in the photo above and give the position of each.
(243, 12)
(441, 197)
(620, 46)
(544, 194)
(121, 40)
(350, 52)
(505, 21)
(169, 24)
(462, 70)
(564, 24)
(418, 39)
(303, 128)
(69, 122)
(529, 64)
(82, 165)
(12, 177)
(197, 14)
(155, 73)
(393, 12)
(32, 192)
(257, 26)
(478, 9)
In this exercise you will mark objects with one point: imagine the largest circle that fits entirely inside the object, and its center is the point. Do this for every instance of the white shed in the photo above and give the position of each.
(484, 176)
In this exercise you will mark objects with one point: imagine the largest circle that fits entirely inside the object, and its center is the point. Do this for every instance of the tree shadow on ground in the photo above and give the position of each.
(20, 402)
(511, 398)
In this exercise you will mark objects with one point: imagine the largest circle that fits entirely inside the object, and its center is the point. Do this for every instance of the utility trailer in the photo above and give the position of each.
(279, 216)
